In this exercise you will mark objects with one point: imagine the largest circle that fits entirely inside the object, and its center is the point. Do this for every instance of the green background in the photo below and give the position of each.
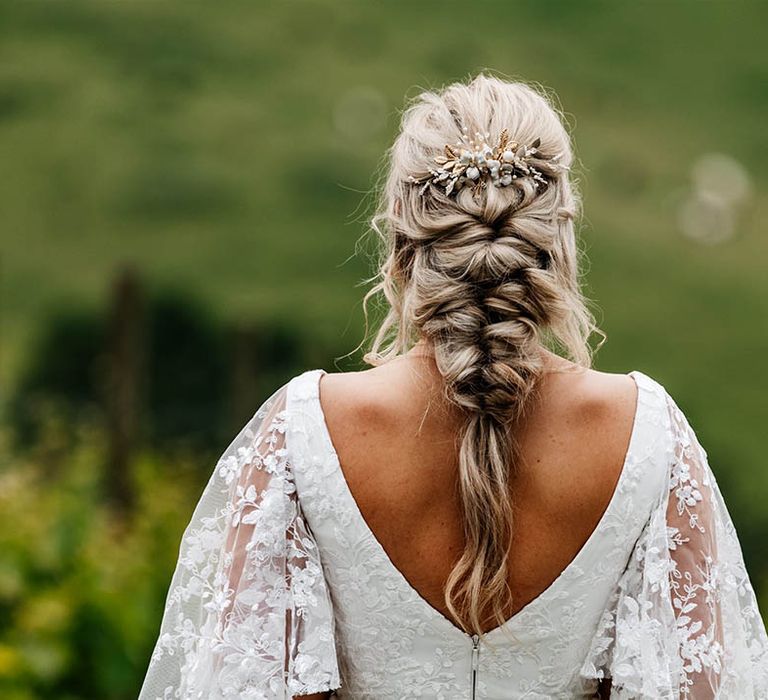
(228, 152)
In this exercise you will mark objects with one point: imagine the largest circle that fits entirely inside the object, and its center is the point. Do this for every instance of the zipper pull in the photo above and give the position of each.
(475, 659)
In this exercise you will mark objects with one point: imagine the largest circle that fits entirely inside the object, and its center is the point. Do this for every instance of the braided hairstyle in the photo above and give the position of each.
(487, 276)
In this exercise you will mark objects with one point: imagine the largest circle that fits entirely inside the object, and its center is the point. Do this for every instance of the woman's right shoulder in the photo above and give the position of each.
(592, 401)
(605, 393)
(606, 397)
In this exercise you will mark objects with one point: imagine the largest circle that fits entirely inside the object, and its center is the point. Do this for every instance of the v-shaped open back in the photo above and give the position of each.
(384, 621)
(584, 557)
(580, 560)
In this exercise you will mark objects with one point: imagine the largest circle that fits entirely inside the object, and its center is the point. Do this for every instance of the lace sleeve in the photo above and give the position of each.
(248, 614)
(683, 621)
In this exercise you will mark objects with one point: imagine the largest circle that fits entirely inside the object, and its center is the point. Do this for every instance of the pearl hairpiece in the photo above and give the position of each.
(475, 161)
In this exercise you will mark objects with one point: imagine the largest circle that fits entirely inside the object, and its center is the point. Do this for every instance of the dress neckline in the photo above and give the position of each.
(314, 377)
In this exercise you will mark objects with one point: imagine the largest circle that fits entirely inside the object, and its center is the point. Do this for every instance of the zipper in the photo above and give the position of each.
(475, 657)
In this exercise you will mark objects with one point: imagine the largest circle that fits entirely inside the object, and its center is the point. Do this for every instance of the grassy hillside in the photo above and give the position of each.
(227, 148)
(224, 148)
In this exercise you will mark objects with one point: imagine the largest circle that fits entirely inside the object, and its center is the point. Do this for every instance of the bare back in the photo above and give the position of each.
(396, 440)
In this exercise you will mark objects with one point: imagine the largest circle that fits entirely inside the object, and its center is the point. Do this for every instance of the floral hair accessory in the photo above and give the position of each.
(472, 161)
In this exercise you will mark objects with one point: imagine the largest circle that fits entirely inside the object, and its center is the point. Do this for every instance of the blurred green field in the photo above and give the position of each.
(228, 150)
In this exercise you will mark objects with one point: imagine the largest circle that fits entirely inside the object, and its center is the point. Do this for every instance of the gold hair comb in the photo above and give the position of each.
(475, 161)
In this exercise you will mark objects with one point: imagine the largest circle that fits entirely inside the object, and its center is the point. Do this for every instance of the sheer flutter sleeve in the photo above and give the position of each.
(248, 614)
(683, 621)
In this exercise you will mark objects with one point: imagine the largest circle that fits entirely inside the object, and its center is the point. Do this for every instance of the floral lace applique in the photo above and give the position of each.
(683, 621)
(248, 613)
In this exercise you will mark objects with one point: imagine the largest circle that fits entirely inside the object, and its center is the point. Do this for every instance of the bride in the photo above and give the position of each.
(480, 514)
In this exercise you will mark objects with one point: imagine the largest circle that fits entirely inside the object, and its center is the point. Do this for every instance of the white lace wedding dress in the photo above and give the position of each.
(281, 589)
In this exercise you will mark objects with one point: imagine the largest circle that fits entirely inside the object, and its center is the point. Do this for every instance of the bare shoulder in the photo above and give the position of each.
(578, 396)
(598, 410)
(603, 395)
(362, 409)
(361, 394)
(592, 403)
(381, 430)
(394, 384)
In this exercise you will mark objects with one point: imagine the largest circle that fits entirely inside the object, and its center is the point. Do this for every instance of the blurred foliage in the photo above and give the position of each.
(192, 358)
(226, 151)
(80, 590)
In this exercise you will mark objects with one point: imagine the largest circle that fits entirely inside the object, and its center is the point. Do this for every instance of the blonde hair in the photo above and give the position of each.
(487, 276)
